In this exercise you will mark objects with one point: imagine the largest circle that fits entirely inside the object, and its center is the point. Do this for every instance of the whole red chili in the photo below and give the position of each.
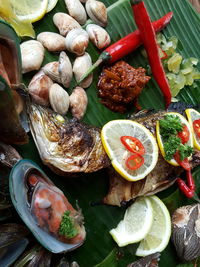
(185, 189)
(126, 45)
(148, 37)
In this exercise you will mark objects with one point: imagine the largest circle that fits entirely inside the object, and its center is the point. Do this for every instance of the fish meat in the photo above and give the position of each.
(160, 178)
(66, 146)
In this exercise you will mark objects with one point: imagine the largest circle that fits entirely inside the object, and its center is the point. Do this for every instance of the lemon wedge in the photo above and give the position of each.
(136, 224)
(193, 115)
(158, 237)
(51, 5)
(160, 141)
(110, 136)
(29, 10)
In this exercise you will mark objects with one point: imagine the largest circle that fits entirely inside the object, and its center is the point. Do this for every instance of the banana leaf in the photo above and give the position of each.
(99, 248)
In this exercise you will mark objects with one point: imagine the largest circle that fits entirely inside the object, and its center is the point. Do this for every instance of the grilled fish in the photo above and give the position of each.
(161, 177)
(66, 146)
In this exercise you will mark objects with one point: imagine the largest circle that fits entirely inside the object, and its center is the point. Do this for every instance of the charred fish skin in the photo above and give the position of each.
(66, 146)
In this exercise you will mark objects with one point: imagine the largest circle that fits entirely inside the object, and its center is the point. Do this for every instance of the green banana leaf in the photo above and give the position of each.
(99, 248)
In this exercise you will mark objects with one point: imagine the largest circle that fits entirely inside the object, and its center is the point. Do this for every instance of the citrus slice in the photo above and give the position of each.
(117, 152)
(29, 10)
(51, 5)
(158, 237)
(136, 224)
(160, 141)
(193, 115)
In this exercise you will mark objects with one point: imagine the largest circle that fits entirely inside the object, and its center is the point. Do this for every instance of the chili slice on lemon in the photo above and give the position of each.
(184, 135)
(133, 144)
(134, 162)
(196, 126)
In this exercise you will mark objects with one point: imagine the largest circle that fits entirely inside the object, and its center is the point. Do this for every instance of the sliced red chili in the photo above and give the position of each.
(133, 144)
(134, 162)
(183, 163)
(163, 55)
(184, 135)
(196, 126)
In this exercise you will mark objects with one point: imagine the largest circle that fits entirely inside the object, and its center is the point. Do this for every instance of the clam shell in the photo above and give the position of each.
(65, 23)
(32, 52)
(77, 41)
(97, 12)
(65, 69)
(51, 70)
(81, 65)
(52, 41)
(98, 36)
(18, 192)
(76, 10)
(78, 102)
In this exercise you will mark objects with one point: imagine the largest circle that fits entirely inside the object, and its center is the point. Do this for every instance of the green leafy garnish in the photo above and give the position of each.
(170, 125)
(67, 226)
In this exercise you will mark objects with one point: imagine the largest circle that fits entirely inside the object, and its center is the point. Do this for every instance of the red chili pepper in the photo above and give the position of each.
(185, 189)
(148, 37)
(134, 162)
(163, 55)
(184, 135)
(133, 144)
(183, 163)
(190, 180)
(126, 45)
(196, 126)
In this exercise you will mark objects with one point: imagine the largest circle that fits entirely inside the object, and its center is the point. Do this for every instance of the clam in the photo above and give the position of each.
(32, 52)
(78, 102)
(39, 87)
(148, 261)
(51, 70)
(11, 130)
(98, 36)
(52, 41)
(80, 67)
(186, 232)
(76, 10)
(65, 23)
(77, 41)
(65, 69)
(44, 209)
(97, 11)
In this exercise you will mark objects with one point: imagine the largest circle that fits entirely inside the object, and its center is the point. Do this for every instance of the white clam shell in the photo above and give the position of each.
(52, 41)
(97, 12)
(59, 99)
(51, 70)
(65, 23)
(83, 1)
(78, 102)
(76, 10)
(98, 36)
(65, 69)
(32, 53)
(77, 41)
(39, 88)
(81, 65)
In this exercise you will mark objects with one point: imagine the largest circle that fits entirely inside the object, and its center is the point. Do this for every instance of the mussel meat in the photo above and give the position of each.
(44, 209)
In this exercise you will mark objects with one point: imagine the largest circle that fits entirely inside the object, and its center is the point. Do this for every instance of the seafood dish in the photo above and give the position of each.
(66, 146)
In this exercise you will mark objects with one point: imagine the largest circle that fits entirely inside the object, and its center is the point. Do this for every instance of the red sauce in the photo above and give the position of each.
(120, 84)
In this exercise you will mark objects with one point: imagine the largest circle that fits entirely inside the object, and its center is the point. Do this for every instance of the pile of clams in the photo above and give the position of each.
(41, 205)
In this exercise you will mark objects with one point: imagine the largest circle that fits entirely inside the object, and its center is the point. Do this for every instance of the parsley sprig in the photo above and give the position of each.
(67, 226)
(170, 126)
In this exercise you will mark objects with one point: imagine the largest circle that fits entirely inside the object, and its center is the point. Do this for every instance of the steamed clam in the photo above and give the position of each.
(98, 36)
(65, 69)
(51, 70)
(52, 41)
(76, 10)
(44, 209)
(65, 23)
(97, 11)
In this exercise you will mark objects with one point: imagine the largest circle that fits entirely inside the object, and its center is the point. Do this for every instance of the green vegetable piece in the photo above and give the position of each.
(170, 125)
(171, 146)
(174, 63)
(67, 226)
(185, 151)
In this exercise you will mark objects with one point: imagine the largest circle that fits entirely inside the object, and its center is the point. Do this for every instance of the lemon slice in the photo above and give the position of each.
(29, 10)
(110, 136)
(160, 141)
(51, 5)
(193, 115)
(158, 237)
(136, 224)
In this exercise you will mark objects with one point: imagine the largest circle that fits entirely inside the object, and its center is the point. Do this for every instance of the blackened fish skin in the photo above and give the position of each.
(66, 146)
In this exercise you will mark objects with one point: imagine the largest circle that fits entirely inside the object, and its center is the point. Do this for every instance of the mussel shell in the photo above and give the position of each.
(18, 193)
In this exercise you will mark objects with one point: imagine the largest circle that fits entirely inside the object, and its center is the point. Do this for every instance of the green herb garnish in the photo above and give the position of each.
(170, 126)
(67, 226)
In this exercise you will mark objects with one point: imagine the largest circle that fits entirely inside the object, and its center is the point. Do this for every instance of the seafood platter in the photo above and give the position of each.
(100, 133)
